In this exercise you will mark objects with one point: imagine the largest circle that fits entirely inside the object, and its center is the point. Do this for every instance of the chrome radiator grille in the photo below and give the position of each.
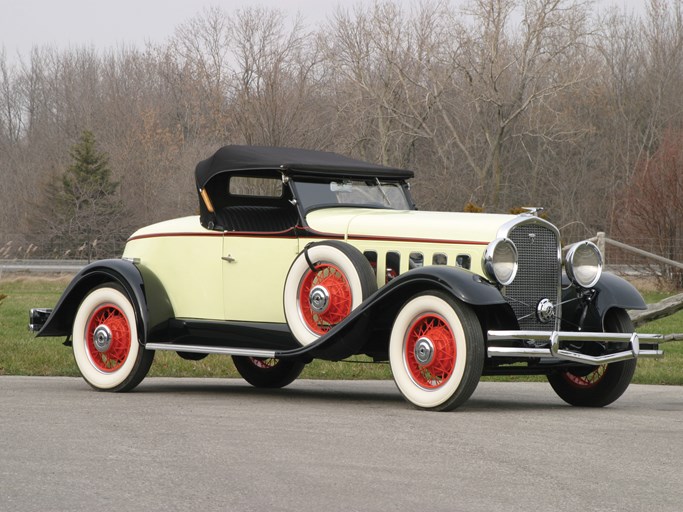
(538, 273)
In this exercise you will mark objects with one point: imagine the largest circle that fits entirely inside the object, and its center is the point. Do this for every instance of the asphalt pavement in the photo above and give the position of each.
(213, 444)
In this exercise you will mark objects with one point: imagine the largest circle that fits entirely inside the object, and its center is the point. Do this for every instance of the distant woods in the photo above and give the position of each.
(495, 104)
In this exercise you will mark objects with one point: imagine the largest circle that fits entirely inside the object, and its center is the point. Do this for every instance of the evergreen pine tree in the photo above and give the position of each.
(82, 215)
(88, 179)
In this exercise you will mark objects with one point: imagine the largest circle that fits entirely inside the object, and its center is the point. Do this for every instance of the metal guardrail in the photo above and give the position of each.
(42, 266)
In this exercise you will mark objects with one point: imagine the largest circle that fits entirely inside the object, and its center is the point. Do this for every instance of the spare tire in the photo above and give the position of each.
(325, 283)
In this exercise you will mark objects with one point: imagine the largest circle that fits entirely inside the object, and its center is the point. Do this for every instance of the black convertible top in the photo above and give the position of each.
(292, 162)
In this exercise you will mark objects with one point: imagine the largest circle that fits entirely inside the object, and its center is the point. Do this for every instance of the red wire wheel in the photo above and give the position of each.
(325, 283)
(436, 351)
(325, 298)
(105, 340)
(267, 372)
(430, 351)
(108, 338)
(264, 363)
(586, 381)
(597, 386)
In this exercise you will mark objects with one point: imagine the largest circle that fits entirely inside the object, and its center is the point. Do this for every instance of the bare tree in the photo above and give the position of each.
(198, 69)
(273, 96)
(502, 73)
(651, 206)
(378, 55)
(11, 120)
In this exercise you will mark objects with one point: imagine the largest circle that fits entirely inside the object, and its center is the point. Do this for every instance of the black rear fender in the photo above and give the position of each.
(138, 284)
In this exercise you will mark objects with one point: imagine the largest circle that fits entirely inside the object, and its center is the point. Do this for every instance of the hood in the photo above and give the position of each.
(408, 224)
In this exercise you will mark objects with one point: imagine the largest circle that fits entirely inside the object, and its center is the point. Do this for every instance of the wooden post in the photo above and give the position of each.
(601, 245)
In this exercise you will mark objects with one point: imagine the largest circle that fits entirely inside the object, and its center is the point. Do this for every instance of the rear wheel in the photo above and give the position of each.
(267, 372)
(105, 341)
(436, 351)
(597, 386)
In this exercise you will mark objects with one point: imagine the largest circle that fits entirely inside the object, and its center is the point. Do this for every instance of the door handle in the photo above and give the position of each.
(229, 259)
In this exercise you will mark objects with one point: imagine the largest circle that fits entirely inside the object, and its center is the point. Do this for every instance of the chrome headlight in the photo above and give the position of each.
(583, 264)
(500, 261)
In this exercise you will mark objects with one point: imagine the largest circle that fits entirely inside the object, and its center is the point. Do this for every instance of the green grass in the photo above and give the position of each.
(667, 369)
(21, 353)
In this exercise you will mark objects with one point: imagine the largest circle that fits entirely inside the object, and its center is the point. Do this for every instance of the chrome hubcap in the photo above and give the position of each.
(424, 351)
(545, 311)
(102, 338)
(319, 299)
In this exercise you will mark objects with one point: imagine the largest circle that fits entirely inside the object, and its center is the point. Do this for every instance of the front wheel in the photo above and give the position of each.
(105, 341)
(267, 372)
(597, 386)
(436, 351)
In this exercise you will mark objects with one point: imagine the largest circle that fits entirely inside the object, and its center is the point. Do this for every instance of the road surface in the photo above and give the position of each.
(209, 444)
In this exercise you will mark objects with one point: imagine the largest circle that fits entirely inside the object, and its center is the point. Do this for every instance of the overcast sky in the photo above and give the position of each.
(105, 24)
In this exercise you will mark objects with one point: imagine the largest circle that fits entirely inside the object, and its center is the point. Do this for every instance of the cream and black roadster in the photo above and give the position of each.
(300, 254)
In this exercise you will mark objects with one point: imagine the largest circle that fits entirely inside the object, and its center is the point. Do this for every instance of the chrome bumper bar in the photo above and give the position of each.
(554, 351)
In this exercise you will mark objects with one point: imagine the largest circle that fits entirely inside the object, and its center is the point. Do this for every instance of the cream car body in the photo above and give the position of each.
(428, 234)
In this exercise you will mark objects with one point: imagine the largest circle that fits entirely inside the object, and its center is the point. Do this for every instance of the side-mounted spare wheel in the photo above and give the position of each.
(436, 351)
(105, 341)
(325, 283)
(597, 386)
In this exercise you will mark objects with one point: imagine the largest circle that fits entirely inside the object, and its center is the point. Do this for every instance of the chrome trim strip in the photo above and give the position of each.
(202, 349)
(555, 352)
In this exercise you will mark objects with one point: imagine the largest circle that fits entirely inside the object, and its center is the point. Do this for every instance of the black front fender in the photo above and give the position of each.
(611, 292)
(466, 286)
(616, 292)
(372, 320)
(137, 282)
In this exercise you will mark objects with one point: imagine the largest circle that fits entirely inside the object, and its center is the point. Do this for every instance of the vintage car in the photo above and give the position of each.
(300, 254)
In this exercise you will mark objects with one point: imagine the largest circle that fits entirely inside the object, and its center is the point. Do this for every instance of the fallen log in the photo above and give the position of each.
(664, 307)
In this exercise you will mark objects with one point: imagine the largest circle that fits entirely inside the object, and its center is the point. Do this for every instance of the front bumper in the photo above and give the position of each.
(556, 346)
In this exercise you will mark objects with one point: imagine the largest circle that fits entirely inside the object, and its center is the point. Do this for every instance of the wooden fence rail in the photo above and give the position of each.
(664, 307)
(602, 240)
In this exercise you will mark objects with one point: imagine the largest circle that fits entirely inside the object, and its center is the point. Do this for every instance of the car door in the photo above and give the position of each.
(255, 267)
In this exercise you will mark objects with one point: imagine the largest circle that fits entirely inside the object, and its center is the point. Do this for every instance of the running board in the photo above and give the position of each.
(203, 349)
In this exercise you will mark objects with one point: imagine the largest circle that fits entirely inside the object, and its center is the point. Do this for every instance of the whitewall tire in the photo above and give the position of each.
(317, 300)
(436, 351)
(105, 341)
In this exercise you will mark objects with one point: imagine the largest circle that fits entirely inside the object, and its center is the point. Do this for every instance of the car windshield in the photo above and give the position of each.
(371, 193)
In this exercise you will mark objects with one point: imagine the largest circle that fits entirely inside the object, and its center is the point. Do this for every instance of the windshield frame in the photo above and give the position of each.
(314, 194)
